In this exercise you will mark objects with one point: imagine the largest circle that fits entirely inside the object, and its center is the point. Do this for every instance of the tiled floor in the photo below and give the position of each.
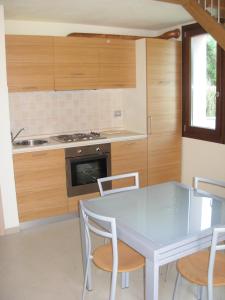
(44, 263)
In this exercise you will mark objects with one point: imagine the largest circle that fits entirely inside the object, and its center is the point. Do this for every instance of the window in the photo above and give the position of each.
(203, 85)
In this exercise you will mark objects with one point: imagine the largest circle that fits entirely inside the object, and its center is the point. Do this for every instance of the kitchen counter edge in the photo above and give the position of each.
(53, 145)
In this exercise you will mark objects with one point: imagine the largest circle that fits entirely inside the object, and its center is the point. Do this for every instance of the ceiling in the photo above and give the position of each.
(140, 14)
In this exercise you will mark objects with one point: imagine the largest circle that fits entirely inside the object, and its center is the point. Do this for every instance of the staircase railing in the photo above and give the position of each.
(210, 14)
(216, 8)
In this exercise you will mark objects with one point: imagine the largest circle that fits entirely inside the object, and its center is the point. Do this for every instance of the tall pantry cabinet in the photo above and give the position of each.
(164, 110)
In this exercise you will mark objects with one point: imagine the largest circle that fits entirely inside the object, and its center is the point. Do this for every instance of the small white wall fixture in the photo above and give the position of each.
(7, 182)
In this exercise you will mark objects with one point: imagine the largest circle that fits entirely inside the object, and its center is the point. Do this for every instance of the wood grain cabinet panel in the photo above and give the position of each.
(76, 63)
(87, 63)
(164, 110)
(40, 184)
(36, 63)
(117, 63)
(29, 63)
(73, 202)
(127, 157)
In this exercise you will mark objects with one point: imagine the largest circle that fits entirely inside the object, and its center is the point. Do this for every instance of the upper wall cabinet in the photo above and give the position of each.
(76, 63)
(29, 63)
(69, 63)
(86, 63)
(117, 63)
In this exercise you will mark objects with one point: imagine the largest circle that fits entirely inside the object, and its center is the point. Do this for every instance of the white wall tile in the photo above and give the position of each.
(50, 113)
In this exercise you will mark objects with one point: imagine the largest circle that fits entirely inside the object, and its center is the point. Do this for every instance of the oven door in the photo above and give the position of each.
(83, 172)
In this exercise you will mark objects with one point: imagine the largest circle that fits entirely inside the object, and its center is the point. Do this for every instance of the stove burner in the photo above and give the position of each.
(77, 137)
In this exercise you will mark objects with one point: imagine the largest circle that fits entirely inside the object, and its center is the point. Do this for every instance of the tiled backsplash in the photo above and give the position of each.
(43, 113)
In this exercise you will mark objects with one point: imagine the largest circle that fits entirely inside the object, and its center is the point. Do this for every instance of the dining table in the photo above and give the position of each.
(163, 222)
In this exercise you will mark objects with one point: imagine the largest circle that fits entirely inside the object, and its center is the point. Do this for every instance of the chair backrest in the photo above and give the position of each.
(118, 177)
(196, 181)
(90, 223)
(214, 248)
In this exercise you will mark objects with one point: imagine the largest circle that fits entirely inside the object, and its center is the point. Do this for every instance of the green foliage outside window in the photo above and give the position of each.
(211, 77)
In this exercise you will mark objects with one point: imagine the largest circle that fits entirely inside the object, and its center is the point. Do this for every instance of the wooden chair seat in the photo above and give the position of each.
(194, 268)
(128, 258)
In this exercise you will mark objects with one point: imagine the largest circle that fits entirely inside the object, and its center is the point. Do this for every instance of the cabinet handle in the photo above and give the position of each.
(149, 125)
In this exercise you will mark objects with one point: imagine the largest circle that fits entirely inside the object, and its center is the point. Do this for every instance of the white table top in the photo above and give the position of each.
(162, 216)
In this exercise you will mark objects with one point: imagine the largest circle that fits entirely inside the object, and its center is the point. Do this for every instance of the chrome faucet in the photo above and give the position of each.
(13, 137)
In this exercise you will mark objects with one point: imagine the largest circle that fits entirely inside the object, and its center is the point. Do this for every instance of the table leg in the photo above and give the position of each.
(151, 280)
(84, 253)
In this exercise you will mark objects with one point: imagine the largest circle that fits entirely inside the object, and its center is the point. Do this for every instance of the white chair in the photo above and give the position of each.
(101, 181)
(204, 268)
(196, 181)
(113, 257)
(118, 177)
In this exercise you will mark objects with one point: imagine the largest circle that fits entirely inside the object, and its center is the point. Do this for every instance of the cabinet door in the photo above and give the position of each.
(40, 184)
(29, 63)
(117, 64)
(73, 202)
(164, 110)
(127, 157)
(76, 63)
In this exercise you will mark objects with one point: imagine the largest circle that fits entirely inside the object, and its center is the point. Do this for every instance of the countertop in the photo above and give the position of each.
(110, 137)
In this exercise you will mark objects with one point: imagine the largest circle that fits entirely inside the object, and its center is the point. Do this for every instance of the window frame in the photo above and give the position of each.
(206, 134)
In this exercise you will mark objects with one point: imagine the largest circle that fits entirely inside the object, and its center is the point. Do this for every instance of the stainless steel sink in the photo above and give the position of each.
(31, 142)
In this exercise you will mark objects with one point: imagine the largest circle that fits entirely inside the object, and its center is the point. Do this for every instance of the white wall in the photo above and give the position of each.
(205, 159)
(63, 29)
(2, 225)
(8, 195)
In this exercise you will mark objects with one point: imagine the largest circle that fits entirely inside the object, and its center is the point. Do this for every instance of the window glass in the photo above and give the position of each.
(203, 81)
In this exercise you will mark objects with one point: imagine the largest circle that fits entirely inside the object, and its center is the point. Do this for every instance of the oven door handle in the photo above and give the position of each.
(87, 157)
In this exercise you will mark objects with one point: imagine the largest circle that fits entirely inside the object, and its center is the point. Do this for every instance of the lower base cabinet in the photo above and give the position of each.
(73, 202)
(128, 157)
(40, 184)
(41, 178)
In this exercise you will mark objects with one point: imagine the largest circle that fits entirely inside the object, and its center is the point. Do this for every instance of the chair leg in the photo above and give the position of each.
(176, 285)
(125, 280)
(166, 273)
(113, 286)
(210, 292)
(85, 278)
(200, 292)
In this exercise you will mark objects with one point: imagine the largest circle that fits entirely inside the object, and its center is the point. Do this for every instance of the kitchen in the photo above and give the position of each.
(120, 114)
(107, 96)
(131, 103)
(71, 112)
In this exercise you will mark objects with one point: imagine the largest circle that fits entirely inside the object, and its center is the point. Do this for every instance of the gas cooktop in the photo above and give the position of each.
(78, 137)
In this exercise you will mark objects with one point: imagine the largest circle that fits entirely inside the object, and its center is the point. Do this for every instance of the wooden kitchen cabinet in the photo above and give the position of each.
(73, 202)
(127, 157)
(36, 63)
(164, 110)
(29, 63)
(93, 63)
(76, 63)
(117, 63)
(40, 184)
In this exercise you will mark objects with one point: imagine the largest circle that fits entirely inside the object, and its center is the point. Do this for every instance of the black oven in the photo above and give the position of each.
(84, 165)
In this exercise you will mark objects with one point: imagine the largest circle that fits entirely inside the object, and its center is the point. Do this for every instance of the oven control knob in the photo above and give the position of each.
(98, 149)
(79, 151)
